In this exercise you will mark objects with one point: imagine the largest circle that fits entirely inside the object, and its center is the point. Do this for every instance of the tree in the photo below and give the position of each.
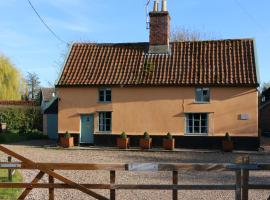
(181, 34)
(10, 80)
(33, 84)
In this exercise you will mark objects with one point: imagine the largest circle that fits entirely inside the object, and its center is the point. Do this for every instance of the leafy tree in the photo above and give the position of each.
(10, 80)
(33, 84)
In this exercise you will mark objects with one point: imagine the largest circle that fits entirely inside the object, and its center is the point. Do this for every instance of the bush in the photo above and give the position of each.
(146, 136)
(67, 135)
(23, 119)
(123, 135)
(169, 136)
(228, 137)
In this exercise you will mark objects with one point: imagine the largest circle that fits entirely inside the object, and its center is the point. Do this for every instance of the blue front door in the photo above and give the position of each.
(87, 129)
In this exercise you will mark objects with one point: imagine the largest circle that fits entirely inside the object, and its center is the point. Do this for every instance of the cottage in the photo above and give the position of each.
(49, 108)
(195, 90)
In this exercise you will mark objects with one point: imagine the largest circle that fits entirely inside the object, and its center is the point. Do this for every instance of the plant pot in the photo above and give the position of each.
(146, 143)
(122, 143)
(3, 127)
(168, 144)
(67, 142)
(227, 146)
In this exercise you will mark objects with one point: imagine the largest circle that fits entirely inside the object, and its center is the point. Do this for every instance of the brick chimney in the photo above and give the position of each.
(159, 29)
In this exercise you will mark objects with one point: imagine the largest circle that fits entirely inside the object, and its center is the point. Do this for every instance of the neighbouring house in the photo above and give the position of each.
(196, 90)
(265, 113)
(49, 108)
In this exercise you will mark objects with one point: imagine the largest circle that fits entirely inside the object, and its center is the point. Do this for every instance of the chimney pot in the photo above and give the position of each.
(155, 6)
(164, 6)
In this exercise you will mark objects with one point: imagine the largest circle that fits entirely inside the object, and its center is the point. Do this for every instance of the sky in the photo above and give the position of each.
(32, 48)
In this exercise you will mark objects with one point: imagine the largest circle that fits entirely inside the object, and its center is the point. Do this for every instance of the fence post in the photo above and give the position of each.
(175, 182)
(238, 185)
(112, 181)
(245, 179)
(51, 190)
(10, 170)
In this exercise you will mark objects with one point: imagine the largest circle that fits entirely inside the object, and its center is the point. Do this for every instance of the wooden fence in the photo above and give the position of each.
(241, 171)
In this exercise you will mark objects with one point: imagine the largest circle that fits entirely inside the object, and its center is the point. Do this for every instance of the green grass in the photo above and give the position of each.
(15, 136)
(10, 194)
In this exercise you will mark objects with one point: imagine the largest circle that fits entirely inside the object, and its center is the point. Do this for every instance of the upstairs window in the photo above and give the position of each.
(202, 95)
(105, 95)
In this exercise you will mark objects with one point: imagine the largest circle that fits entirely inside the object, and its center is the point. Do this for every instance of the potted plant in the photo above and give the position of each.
(67, 140)
(123, 141)
(146, 141)
(168, 142)
(227, 144)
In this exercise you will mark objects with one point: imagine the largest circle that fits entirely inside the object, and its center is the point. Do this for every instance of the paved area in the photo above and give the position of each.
(40, 154)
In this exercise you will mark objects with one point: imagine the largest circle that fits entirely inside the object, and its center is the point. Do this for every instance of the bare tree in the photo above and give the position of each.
(33, 84)
(181, 34)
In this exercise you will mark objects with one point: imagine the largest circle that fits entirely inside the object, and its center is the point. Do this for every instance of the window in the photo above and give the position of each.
(197, 123)
(202, 95)
(105, 121)
(105, 95)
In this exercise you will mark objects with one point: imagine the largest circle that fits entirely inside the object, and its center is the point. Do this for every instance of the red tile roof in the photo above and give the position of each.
(221, 62)
(18, 103)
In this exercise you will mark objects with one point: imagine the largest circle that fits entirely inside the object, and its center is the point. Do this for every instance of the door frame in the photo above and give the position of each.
(81, 115)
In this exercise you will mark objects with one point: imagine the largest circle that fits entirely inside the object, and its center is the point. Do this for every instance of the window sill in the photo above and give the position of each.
(198, 102)
(103, 132)
(104, 102)
(196, 134)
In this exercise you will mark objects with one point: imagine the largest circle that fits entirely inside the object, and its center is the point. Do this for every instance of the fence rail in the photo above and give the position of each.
(241, 171)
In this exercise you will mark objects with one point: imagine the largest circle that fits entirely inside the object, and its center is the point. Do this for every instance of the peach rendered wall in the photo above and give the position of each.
(161, 110)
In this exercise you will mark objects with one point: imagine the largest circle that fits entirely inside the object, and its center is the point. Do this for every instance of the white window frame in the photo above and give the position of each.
(104, 122)
(193, 126)
(104, 90)
(201, 99)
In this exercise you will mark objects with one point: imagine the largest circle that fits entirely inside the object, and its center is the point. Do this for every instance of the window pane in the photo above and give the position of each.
(203, 123)
(108, 95)
(101, 95)
(197, 123)
(198, 94)
(204, 129)
(197, 116)
(196, 129)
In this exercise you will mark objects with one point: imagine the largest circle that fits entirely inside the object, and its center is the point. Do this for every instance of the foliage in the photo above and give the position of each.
(33, 84)
(149, 67)
(67, 135)
(181, 34)
(123, 135)
(10, 80)
(22, 119)
(169, 136)
(146, 136)
(13, 136)
(228, 137)
(264, 86)
(10, 194)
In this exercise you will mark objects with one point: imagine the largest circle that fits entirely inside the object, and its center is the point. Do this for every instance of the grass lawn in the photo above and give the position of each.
(10, 194)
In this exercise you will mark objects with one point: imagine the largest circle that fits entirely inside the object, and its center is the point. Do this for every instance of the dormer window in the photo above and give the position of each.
(202, 95)
(105, 95)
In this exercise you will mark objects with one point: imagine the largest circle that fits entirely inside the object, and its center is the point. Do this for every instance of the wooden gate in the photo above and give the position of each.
(240, 187)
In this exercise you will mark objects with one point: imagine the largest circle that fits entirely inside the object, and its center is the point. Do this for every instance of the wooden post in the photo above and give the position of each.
(9, 170)
(112, 181)
(245, 179)
(238, 185)
(51, 190)
(175, 182)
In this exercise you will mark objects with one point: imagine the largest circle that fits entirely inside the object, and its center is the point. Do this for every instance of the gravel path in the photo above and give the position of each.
(96, 156)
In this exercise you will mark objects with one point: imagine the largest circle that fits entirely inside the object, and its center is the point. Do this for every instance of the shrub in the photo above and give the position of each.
(23, 119)
(67, 135)
(146, 136)
(228, 137)
(169, 136)
(123, 135)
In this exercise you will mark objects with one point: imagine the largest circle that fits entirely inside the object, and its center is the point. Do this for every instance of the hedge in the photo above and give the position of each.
(23, 119)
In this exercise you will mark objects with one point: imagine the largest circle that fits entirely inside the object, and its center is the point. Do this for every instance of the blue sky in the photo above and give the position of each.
(32, 48)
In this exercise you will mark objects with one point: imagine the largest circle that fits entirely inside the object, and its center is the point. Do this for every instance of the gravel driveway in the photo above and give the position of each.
(96, 156)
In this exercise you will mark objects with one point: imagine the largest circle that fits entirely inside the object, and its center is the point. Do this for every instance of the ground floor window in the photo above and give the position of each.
(196, 123)
(105, 121)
